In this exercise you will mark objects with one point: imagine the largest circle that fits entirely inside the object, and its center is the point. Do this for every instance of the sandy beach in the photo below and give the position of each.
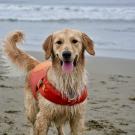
(111, 103)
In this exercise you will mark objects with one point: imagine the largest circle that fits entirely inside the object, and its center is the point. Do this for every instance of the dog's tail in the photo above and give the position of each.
(18, 57)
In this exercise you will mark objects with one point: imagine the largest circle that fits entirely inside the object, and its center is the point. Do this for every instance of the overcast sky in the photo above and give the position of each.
(85, 2)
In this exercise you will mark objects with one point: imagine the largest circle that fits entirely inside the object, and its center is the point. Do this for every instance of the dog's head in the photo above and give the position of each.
(67, 48)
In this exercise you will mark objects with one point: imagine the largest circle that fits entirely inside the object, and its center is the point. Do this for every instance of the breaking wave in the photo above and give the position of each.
(12, 12)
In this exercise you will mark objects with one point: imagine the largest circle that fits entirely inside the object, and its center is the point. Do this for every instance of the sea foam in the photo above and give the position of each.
(16, 12)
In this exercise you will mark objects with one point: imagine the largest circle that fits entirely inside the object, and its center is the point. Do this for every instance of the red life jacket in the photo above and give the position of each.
(38, 83)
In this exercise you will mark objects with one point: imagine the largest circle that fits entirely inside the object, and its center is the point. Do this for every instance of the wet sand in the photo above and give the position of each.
(111, 103)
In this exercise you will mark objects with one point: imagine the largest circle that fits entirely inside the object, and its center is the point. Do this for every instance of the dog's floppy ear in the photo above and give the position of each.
(47, 46)
(88, 44)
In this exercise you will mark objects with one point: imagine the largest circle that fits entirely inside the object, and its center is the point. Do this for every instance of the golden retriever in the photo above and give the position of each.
(66, 49)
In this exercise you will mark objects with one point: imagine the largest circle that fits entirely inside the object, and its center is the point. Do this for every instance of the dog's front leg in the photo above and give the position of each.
(60, 130)
(30, 105)
(41, 125)
(76, 125)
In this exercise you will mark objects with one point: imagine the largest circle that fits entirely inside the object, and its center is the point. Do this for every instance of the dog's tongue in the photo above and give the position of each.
(67, 66)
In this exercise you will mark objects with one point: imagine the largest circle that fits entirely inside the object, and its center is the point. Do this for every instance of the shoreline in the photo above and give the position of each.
(110, 38)
(41, 53)
(107, 64)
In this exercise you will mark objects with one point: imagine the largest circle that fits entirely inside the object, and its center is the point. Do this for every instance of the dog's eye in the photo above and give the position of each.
(74, 41)
(59, 42)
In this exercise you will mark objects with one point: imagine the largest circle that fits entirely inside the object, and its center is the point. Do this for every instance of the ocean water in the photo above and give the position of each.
(110, 24)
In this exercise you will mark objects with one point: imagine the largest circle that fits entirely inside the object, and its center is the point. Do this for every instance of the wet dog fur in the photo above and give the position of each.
(41, 113)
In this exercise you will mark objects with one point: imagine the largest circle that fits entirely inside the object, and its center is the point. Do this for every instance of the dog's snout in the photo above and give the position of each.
(66, 54)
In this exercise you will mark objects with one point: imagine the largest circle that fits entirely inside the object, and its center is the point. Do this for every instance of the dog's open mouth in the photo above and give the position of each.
(67, 66)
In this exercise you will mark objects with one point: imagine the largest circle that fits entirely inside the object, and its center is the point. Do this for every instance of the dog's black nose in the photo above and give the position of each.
(66, 54)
